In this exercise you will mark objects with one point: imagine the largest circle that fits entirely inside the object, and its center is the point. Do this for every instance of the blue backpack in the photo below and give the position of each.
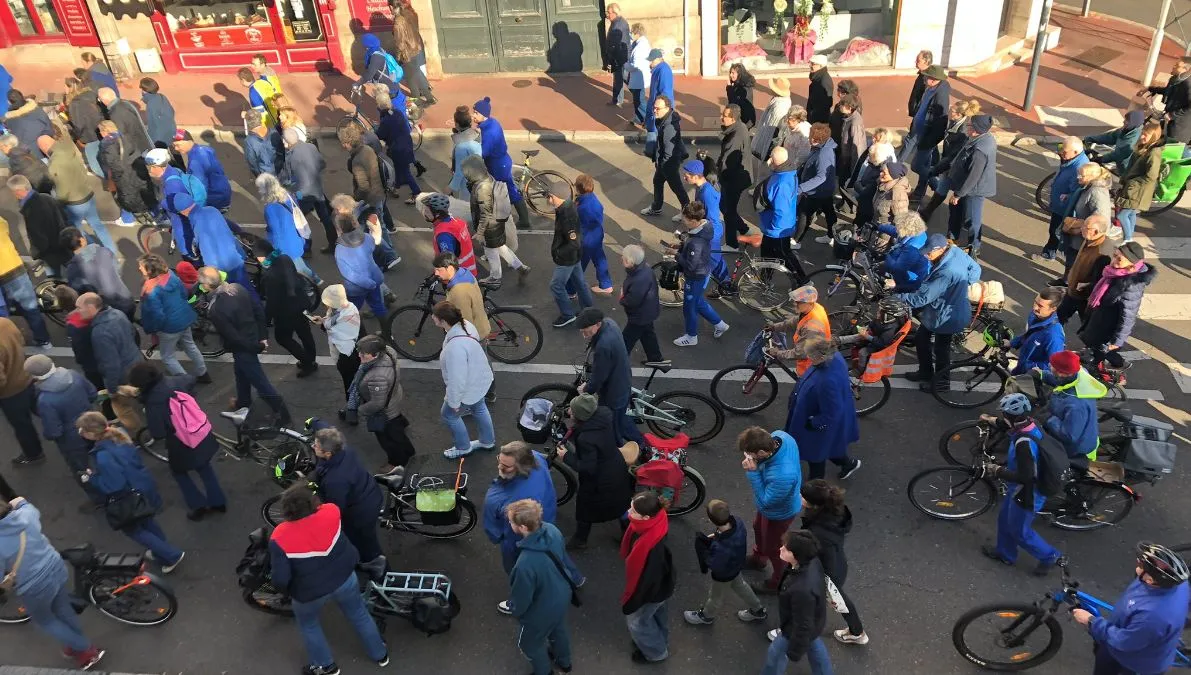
(753, 354)
(393, 70)
(194, 186)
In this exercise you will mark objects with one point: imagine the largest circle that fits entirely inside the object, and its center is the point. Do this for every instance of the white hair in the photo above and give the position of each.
(634, 254)
(9, 141)
(343, 203)
(290, 137)
(270, 189)
(1073, 143)
(880, 153)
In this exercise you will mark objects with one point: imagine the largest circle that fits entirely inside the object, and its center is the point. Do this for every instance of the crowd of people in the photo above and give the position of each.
(798, 160)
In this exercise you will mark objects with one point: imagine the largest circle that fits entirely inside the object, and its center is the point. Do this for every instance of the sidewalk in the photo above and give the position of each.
(1090, 77)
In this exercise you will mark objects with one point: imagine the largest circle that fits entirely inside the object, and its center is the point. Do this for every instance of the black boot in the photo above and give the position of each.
(522, 215)
(936, 200)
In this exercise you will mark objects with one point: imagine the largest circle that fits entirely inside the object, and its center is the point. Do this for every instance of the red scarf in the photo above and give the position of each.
(647, 534)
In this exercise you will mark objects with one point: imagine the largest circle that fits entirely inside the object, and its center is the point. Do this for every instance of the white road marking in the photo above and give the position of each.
(1165, 248)
(1054, 116)
(1166, 307)
(1182, 375)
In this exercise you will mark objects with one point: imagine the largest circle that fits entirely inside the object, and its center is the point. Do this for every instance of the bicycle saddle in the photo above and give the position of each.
(79, 556)
(753, 240)
(490, 284)
(236, 416)
(393, 481)
(665, 368)
(531, 153)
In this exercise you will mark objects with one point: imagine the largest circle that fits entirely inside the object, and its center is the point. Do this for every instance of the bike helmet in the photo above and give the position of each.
(995, 334)
(438, 203)
(894, 309)
(1015, 405)
(1163, 565)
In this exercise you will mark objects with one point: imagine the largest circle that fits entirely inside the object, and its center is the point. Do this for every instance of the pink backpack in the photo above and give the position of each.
(190, 423)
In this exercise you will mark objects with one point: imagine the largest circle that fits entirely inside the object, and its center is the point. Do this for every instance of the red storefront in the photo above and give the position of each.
(47, 21)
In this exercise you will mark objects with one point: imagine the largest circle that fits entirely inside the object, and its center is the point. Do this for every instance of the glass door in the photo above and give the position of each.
(34, 18)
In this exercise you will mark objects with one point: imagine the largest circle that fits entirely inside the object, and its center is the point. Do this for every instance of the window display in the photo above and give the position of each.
(766, 35)
(220, 25)
(299, 18)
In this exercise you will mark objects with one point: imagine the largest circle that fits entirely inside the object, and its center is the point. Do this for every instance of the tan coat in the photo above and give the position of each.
(890, 200)
(13, 379)
(1140, 180)
(70, 178)
(470, 301)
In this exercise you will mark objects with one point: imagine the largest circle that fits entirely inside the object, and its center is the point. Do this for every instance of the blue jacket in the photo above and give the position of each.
(264, 155)
(611, 378)
(159, 113)
(467, 143)
(723, 552)
(694, 255)
(538, 486)
(496, 151)
(281, 231)
(344, 481)
(117, 467)
(906, 263)
(539, 595)
(661, 81)
(102, 77)
(218, 246)
(816, 177)
(1037, 343)
(115, 349)
(1123, 142)
(395, 132)
(780, 219)
(353, 257)
(165, 305)
(1145, 627)
(943, 296)
(304, 167)
(639, 295)
(61, 398)
(777, 481)
(709, 196)
(822, 412)
(591, 220)
(312, 557)
(1073, 417)
(202, 163)
(1023, 485)
(42, 568)
(1065, 183)
(974, 171)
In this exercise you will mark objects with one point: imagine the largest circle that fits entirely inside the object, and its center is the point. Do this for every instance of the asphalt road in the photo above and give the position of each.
(1178, 22)
(910, 576)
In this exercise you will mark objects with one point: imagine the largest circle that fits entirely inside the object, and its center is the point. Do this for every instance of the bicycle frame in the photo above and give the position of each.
(395, 593)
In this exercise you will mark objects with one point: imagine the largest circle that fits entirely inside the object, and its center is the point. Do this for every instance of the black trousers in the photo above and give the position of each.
(852, 618)
(322, 208)
(645, 333)
(395, 442)
(667, 173)
(819, 469)
(1071, 306)
(1054, 231)
(733, 188)
(347, 365)
(934, 352)
(779, 247)
(18, 410)
(284, 328)
(808, 207)
(1107, 665)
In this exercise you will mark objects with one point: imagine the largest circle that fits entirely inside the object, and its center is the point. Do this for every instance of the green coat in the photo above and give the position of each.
(1141, 178)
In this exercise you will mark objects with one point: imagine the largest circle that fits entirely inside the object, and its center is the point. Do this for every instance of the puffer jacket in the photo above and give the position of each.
(777, 480)
(165, 306)
(118, 467)
(943, 296)
(69, 176)
(382, 383)
(28, 123)
(639, 295)
(1073, 413)
(906, 263)
(723, 553)
(830, 529)
(1141, 179)
(1111, 322)
(61, 398)
(482, 186)
(1066, 182)
(891, 199)
(23, 162)
(694, 256)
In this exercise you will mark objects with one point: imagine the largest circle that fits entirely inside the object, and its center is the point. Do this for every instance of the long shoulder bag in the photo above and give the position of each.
(576, 593)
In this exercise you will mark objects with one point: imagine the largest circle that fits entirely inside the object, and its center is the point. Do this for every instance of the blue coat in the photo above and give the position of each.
(539, 596)
(202, 163)
(906, 263)
(943, 296)
(1065, 183)
(344, 481)
(709, 196)
(591, 221)
(822, 413)
(61, 398)
(694, 256)
(1037, 343)
(1073, 415)
(780, 219)
(661, 81)
(639, 295)
(723, 552)
(777, 481)
(218, 246)
(816, 177)
(495, 150)
(165, 305)
(395, 132)
(264, 155)
(611, 378)
(353, 257)
(159, 114)
(112, 339)
(465, 147)
(538, 486)
(1145, 627)
(118, 467)
(281, 231)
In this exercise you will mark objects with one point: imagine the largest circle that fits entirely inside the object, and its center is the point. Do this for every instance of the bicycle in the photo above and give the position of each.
(1011, 625)
(260, 438)
(115, 584)
(535, 185)
(516, 335)
(758, 388)
(44, 291)
(665, 414)
(1173, 179)
(756, 281)
(855, 277)
(413, 114)
(966, 345)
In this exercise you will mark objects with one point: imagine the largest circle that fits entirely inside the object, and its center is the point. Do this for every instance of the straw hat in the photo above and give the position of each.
(780, 86)
(334, 296)
(631, 452)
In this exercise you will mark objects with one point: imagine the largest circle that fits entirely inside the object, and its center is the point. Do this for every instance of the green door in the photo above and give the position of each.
(464, 36)
(574, 36)
(520, 35)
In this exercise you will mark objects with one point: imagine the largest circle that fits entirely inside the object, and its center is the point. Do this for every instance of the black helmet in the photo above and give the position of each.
(894, 309)
(1163, 565)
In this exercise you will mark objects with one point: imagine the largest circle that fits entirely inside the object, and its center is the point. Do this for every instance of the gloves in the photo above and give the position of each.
(991, 470)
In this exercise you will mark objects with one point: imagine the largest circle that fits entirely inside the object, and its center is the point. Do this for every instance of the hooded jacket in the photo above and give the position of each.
(802, 607)
(29, 122)
(481, 186)
(202, 163)
(214, 237)
(1040, 339)
(819, 96)
(539, 594)
(1073, 414)
(906, 263)
(1065, 183)
(13, 378)
(463, 291)
(639, 295)
(130, 125)
(85, 114)
(537, 486)
(61, 398)
(381, 384)
(112, 339)
(42, 568)
(239, 320)
(464, 365)
(1123, 140)
(44, 222)
(782, 190)
(95, 268)
(723, 552)
(1145, 627)
(353, 257)
(822, 414)
(777, 481)
(160, 114)
(311, 557)
(610, 379)
(68, 173)
(605, 484)
(159, 421)
(305, 166)
(974, 171)
(943, 295)
(117, 467)
(1111, 322)
(466, 143)
(830, 529)
(816, 177)
(694, 255)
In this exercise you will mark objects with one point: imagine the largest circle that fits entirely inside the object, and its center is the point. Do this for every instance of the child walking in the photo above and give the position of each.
(723, 553)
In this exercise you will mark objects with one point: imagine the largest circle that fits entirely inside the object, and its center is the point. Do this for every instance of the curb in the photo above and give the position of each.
(27, 670)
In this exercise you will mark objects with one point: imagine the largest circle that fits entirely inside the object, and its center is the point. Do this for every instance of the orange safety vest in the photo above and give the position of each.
(458, 230)
(817, 320)
(880, 364)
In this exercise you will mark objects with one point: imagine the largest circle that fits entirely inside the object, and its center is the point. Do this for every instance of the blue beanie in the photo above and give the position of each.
(982, 123)
(484, 106)
(693, 166)
(370, 42)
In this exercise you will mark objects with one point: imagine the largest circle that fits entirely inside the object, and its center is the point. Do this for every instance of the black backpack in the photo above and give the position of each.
(761, 197)
(1053, 467)
(432, 614)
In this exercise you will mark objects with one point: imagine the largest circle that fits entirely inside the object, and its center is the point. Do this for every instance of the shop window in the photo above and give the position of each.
(299, 18)
(775, 35)
(220, 24)
(35, 17)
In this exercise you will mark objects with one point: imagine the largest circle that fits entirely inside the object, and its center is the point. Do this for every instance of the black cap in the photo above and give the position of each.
(590, 317)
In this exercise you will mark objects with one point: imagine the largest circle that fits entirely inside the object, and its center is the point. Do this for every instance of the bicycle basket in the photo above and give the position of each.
(534, 423)
(435, 497)
(1154, 458)
(843, 242)
(668, 273)
(1147, 429)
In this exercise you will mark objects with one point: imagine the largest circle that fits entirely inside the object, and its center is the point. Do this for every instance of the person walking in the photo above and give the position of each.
(113, 340)
(892, 197)
(286, 228)
(819, 94)
(768, 130)
(1086, 268)
(363, 279)
(777, 212)
(1062, 188)
(314, 565)
(1114, 303)
(380, 396)
(495, 152)
(98, 71)
(852, 140)
(668, 157)
(166, 313)
(118, 473)
(341, 323)
(63, 395)
(649, 578)
(305, 165)
(468, 377)
(411, 52)
(925, 59)
(44, 222)
(825, 515)
(639, 297)
(944, 308)
(287, 296)
(83, 117)
(609, 376)
(617, 45)
(802, 608)
(591, 233)
(795, 137)
(465, 142)
(175, 421)
(490, 213)
(637, 68)
(1090, 198)
(771, 464)
(732, 166)
(953, 141)
(95, 268)
(160, 112)
(263, 150)
(394, 130)
(42, 581)
(739, 91)
(566, 252)
(539, 589)
(723, 554)
(343, 481)
(817, 183)
(661, 83)
(18, 397)
(822, 411)
(368, 186)
(451, 234)
(263, 94)
(127, 119)
(201, 162)
(973, 178)
(694, 259)
(1140, 180)
(928, 127)
(124, 174)
(72, 188)
(605, 483)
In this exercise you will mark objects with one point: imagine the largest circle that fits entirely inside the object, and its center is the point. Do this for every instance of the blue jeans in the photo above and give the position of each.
(50, 609)
(168, 344)
(91, 154)
(968, 213)
(1128, 220)
(304, 269)
(695, 305)
(351, 603)
(1015, 529)
(19, 291)
(373, 297)
(650, 630)
(250, 375)
(619, 75)
(573, 275)
(776, 659)
(150, 535)
(638, 105)
(454, 422)
(537, 644)
(190, 492)
(384, 253)
(89, 212)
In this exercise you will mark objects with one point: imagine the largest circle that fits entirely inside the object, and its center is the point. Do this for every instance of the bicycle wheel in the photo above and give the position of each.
(566, 481)
(849, 321)
(133, 599)
(144, 441)
(667, 297)
(12, 609)
(151, 238)
(559, 394)
(968, 344)
(352, 120)
(271, 511)
(410, 519)
(1162, 207)
(870, 397)
(765, 285)
(1042, 192)
(837, 288)
(413, 334)
(963, 443)
(951, 493)
(48, 302)
(691, 494)
(1115, 393)
(209, 342)
(516, 336)
(744, 389)
(415, 134)
(690, 412)
(971, 384)
(537, 190)
(1103, 504)
(1007, 636)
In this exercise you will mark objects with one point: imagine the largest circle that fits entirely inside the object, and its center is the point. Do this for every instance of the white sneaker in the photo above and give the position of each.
(687, 341)
(720, 328)
(503, 607)
(772, 635)
(823, 240)
(676, 218)
(795, 245)
(847, 638)
(1114, 232)
(650, 211)
(166, 569)
(454, 453)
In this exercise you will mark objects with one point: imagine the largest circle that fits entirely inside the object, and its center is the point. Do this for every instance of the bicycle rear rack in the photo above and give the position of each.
(396, 593)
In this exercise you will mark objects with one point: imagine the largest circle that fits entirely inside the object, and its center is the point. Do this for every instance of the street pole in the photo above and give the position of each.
(1087, 7)
(1039, 47)
(1156, 45)
(109, 36)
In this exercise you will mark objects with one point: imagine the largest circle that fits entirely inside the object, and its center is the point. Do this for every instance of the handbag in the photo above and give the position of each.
(9, 581)
(377, 421)
(576, 594)
(128, 509)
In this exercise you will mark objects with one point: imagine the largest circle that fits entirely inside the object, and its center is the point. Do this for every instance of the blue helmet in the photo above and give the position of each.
(1016, 405)
(438, 203)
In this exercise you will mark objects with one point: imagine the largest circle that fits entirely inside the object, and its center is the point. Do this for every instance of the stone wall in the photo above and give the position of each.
(960, 32)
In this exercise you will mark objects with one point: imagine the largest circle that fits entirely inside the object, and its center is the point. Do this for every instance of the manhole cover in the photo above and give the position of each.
(1092, 59)
(521, 84)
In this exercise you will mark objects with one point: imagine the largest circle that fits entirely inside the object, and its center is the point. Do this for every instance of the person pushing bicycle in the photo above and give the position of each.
(811, 318)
